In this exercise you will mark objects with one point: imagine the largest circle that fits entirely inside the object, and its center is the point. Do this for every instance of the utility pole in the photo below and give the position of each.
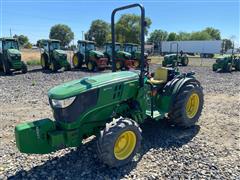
(10, 32)
(82, 35)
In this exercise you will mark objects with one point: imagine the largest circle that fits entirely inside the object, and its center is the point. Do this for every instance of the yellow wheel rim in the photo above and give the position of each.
(125, 145)
(192, 105)
(42, 62)
(118, 65)
(90, 66)
(75, 60)
(136, 63)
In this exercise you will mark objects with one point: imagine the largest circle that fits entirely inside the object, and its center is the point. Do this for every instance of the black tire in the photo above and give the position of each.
(229, 67)
(215, 67)
(24, 68)
(185, 61)
(237, 65)
(77, 61)
(91, 66)
(44, 62)
(119, 65)
(178, 114)
(68, 67)
(6, 68)
(164, 64)
(109, 137)
(53, 66)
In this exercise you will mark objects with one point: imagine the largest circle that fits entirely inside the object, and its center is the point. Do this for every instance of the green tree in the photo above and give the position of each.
(183, 36)
(128, 28)
(158, 35)
(22, 40)
(63, 33)
(99, 31)
(200, 35)
(172, 36)
(214, 33)
(227, 44)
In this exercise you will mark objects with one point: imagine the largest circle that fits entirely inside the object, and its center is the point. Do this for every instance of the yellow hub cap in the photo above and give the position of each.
(118, 65)
(125, 145)
(136, 63)
(75, 60)
(90, 66)
(192, 105)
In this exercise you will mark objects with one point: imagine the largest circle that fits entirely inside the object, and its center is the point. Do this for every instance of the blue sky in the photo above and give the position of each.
(35, 17)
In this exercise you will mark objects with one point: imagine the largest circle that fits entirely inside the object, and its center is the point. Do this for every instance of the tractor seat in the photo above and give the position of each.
(160, 76)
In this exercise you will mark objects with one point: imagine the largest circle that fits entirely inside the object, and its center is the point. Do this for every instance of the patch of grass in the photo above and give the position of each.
(33, 62)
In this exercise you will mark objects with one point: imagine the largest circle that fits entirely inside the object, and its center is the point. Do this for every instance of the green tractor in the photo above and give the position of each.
(123, 59)
(87, 54)
(52, 57)
(133, 49)
(10, 56)
(111, 106)
(173, 60)
(226, 63)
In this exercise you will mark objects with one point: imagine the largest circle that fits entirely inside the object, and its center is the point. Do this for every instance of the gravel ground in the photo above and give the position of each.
(208, 150)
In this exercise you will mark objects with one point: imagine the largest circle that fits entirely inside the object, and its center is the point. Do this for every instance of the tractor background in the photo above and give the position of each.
(133, 49)
(87, 54)
(10, 56)
(123, 59)
(226, 63)
(174, 59)
(52, 57)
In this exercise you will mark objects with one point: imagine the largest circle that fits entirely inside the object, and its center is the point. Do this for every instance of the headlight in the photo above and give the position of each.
(62, 103)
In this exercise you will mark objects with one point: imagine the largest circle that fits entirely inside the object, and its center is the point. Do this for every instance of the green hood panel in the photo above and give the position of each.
(14, 51)
(76, 87)
(60, 51)
(93, 52)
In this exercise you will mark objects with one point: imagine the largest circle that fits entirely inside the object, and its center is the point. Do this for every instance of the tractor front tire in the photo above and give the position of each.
(119, 65)
(187, 107)
(6, 68)
(91, 66)
(24, 68)
(215, 67)
(119, 142)
(229, 67)
(164, 64)
(53, 66)
(237, 65)
(185, 61)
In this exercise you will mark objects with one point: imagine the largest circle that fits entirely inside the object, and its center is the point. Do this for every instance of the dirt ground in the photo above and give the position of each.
(210, 150)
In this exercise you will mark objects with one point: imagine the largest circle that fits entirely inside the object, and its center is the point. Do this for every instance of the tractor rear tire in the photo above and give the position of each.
(24, 68)
(44, 63)
(119, 142)
(187, 107)
(76, 61)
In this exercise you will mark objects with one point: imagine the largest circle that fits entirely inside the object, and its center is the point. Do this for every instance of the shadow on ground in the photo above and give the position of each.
(83, 162)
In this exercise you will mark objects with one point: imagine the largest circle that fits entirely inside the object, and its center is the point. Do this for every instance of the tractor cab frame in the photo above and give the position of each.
(10, 56)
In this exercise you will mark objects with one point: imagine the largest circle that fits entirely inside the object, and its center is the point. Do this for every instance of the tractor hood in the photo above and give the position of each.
(126, 54)
(13, 52)
(60, 52)
(97, 53)
(76, 87)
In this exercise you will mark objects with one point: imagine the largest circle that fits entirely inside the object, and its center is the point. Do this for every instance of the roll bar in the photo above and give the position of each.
(142, 37)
